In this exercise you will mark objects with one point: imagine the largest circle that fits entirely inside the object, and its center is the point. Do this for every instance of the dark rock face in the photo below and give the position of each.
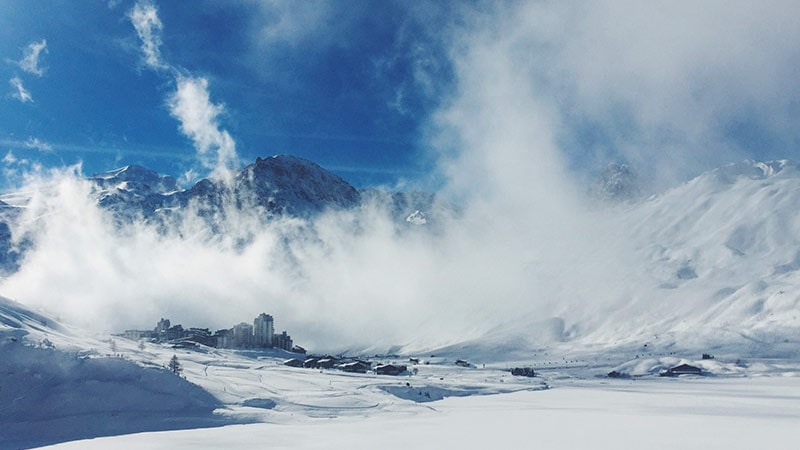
(618, 182)
(294, 186)
(11, 252)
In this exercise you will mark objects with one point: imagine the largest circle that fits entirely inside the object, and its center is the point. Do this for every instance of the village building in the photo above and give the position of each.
(282, 341)
(294, 362)
(243, 335)
(327, 363)
(390, 369)
(356, 367)
(683, 369)
(263, 331)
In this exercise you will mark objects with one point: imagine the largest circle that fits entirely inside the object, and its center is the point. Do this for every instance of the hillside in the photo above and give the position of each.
(59, 384)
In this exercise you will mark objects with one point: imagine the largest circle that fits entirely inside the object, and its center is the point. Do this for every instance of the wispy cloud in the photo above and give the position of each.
(19, 92)
(144, 18)
(190, 103)
(30, 60)
(35, 143)
(192, 106)
(147, 151)
(9, 158)
(294, 23)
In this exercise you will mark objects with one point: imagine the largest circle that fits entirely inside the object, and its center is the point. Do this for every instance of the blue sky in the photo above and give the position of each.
(379, 91)
(328, 82)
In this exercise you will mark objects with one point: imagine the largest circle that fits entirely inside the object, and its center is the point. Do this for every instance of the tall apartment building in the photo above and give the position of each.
(243, 335)
(263, 330)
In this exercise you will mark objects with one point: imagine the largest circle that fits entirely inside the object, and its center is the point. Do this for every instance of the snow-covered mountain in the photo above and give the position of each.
(712, 264)
(289, 185)
(280, 185)
(277, 185)
(715, 262)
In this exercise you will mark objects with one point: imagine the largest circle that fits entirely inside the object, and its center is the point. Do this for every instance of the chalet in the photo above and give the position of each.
(390, 369)
(523, 372)
(311, 363)
(298, 349)
(294, 362)
(683, 369)
(326, 363)
(356, 367)
(616, 374)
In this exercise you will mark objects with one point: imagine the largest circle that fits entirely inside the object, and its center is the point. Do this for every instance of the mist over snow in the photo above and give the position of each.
(526, 253)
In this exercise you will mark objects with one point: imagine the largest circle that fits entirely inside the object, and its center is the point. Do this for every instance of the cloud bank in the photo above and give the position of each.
(673, 88)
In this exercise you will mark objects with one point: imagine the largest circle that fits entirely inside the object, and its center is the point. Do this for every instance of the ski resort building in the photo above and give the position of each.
(263, 331)
(243, 335)
(283, 341)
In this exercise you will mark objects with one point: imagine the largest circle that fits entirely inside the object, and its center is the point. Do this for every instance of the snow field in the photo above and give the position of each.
(731, 413)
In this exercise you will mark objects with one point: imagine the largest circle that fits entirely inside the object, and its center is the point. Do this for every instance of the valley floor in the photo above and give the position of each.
(707, 413)
(738, 405)
(71, 391)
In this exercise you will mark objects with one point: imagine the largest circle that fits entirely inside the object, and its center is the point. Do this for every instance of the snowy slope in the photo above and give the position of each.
(711, 265)
(718, 260)
(59, 385)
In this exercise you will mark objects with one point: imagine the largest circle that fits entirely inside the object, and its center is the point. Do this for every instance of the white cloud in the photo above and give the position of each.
(192, 106)
(37, 144)
(20, 93)
(30, 60)
(294, 23)
(9, 158)
(666, 83)
(144, 18)
(190, 103)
